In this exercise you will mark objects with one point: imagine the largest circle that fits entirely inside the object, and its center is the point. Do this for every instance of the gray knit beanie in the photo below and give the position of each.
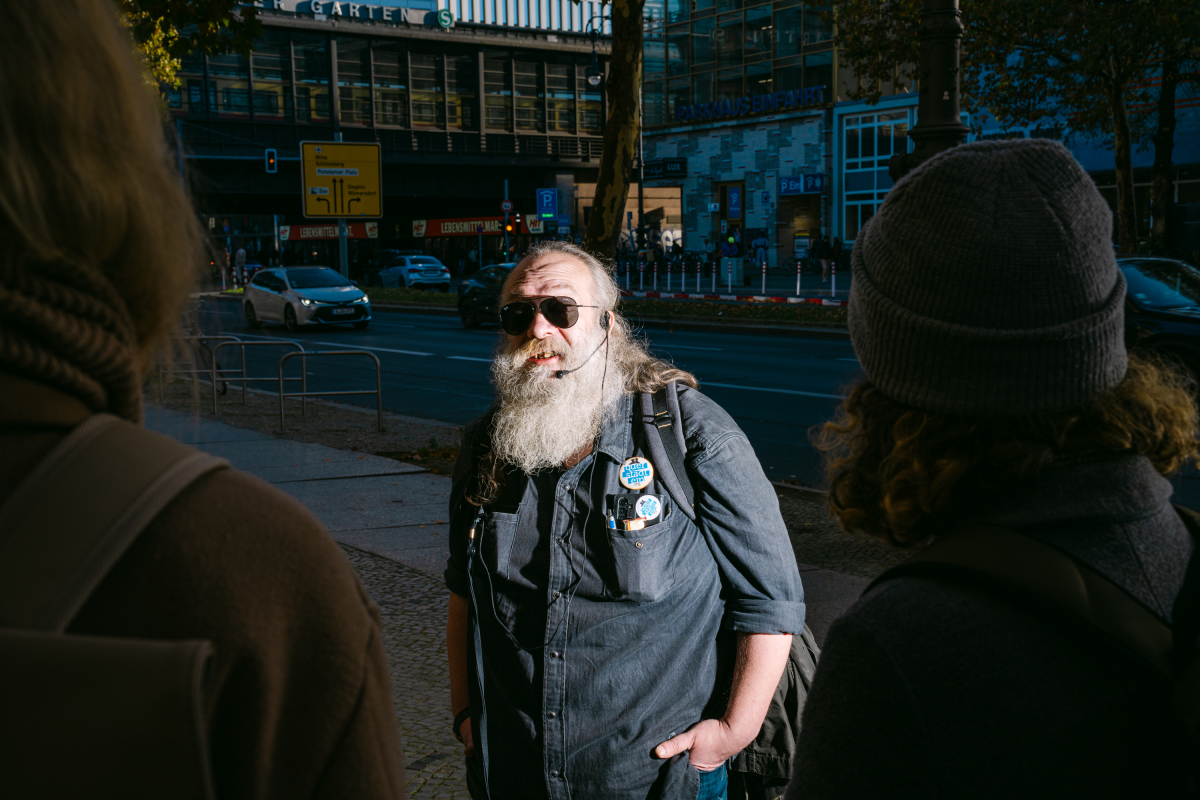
(986, 285)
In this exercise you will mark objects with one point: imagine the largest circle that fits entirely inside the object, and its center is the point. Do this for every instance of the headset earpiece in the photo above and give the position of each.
(604, 320)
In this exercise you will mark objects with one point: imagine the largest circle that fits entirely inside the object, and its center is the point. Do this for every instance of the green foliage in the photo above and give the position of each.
(874, 37)
(165, 30)
(414, 296)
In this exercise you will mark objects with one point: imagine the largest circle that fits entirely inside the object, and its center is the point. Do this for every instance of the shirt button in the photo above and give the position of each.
(553, 773)
(557, 595)
(554, 654)
(550, 715)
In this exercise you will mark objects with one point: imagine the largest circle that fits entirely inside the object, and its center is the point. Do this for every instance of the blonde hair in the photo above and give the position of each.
(85, 174)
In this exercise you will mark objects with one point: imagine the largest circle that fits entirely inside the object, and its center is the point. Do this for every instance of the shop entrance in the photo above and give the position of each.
(798, 222)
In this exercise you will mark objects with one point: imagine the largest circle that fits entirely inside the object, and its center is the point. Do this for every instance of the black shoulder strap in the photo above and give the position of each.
(1021, 565)
(666, 448)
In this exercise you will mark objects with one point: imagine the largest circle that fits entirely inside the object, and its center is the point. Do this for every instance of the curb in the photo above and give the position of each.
(802, 489)
(740, 298)
(699, 324)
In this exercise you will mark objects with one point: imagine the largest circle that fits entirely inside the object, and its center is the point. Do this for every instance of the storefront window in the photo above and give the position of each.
(272, 78)
(730, 85)
(354, 81)
(816, 29)
(561, 94)
(391, 85)
(461, 98)
(312, 77)
(788, 30)
(428, 110)
(529, 87)
(678, 50)
(704, 46)
(818, 71)
(497, 99)
(758, 32)
(758, 79)
(677, 10)
(729, 41)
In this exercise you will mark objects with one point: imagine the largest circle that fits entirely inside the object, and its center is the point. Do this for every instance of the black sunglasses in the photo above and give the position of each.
(517, 316)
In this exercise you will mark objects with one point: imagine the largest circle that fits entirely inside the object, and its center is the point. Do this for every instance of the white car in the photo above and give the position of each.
(412, 272)
(299, 296)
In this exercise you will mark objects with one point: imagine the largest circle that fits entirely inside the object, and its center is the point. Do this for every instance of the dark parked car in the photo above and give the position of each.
(479, 295)
(1162, 308)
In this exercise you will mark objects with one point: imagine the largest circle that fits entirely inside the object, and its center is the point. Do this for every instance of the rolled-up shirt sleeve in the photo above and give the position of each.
(737, 510)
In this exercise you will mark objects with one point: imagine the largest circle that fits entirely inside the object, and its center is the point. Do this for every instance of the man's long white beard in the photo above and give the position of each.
(543, 421)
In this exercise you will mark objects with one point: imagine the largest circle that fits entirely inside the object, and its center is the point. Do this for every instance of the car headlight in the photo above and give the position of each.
(362, 299)
(307, 302)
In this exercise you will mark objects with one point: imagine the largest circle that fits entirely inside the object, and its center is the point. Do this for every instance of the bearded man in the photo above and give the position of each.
(589, 610)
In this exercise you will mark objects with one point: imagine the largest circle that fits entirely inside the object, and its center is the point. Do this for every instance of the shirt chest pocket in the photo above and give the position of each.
(644, 561)
(496, 547)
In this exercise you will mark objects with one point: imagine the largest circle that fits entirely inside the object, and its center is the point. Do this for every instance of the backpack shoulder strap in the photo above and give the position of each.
(662, 431)
(79, 510)
(1021, 565)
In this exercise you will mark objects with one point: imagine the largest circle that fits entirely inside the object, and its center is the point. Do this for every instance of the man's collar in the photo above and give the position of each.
(615, 437)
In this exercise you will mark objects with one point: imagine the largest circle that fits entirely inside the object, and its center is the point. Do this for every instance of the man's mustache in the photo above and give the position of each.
(544, 347)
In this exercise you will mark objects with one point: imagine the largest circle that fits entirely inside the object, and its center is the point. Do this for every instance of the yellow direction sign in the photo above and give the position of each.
(341, 179)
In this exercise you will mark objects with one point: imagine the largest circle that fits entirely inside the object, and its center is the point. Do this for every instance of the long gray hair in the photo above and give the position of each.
(631, 358)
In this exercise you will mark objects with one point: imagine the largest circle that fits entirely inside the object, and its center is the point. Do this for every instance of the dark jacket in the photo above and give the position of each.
(928, 688)
(299, 704)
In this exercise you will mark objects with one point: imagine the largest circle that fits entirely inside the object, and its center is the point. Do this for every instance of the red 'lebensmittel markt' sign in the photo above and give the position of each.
(466, 226)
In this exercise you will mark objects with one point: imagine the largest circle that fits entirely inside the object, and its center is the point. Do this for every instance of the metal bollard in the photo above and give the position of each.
(798, 263)
(832, 278)
(668, 276)
(764, 265)
(714, 277)
(729, 274)
(627, 276)
(641, 276)
(656, 274)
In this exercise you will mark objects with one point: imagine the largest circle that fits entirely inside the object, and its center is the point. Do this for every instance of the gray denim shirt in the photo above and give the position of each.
(599, 644)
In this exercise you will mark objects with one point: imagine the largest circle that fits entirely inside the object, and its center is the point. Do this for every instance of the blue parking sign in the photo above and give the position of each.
(547, 203)
(734, 202)
(809, 183)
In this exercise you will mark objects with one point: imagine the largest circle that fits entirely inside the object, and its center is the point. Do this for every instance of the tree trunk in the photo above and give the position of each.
(1126, 214)
(1162, 185)
(621, 130)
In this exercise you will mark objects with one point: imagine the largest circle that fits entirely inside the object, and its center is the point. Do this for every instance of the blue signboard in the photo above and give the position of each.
(734, 207)
(813, 183)
(547, 203)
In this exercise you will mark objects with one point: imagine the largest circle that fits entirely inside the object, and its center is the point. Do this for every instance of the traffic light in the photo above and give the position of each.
(270, 161)
(518, 220)
(508, 227)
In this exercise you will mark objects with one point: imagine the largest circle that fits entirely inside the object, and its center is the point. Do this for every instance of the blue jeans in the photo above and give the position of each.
(714, 785)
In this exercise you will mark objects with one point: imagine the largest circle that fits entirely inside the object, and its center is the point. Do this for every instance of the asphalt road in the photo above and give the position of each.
(777, 388)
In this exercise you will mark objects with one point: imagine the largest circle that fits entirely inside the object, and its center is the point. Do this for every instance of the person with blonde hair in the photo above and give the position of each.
(100, 250)
(999, 406)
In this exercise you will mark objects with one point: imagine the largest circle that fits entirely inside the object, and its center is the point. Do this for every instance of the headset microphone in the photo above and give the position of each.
(604, 318)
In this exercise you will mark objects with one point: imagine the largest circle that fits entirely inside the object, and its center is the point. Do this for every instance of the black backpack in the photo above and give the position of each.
(762, 770)
(1012, 563)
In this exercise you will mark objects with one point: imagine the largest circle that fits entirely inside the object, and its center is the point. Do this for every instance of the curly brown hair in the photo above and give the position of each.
(895, 471)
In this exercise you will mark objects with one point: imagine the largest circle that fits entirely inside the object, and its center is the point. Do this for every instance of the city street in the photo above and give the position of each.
(776, 387)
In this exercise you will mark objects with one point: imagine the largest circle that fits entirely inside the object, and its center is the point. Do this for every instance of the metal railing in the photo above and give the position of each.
(244, 379)
(173, 366)
(304, 356)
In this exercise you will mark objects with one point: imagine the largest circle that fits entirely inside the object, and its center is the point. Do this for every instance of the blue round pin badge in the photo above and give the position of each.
(648, 507)
(636, 473)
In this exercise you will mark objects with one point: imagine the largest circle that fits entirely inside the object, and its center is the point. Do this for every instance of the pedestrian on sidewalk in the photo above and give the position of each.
(836, 253)
(594, 618)
(822, 254)
(1016, 415)
(101, 250)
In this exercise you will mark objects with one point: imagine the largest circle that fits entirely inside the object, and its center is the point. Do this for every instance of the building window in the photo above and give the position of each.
(591, 106)
(272, 78)
(678, 51)
(561, 94)
(868, 141)
(461, 98)
(428, 110)
(704, 46)
(530, 91)
(311, 68)
(729, 41)
(758, 33)
(391, 85)
(231, 75)
(497, 98)
(677, 10)
(654, 52)
(815, 27)
(788, 32)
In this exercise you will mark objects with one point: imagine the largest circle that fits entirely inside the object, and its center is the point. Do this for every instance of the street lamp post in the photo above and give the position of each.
(939, 124)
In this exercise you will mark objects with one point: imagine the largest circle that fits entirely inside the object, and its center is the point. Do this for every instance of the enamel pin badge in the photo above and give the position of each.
(636, 473)
(648, 507)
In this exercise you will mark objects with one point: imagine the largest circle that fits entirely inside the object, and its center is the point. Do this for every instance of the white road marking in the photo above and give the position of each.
(353, 346)
(469, 358)
(704, 383)
(855, 360)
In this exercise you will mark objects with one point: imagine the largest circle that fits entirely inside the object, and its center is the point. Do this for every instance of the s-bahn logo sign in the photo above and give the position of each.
(757, 104)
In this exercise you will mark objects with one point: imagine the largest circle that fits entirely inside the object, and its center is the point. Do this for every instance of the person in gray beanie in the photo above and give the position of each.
(987, 311)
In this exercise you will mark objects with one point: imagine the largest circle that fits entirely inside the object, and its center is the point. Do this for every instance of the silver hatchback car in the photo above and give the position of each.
(299, 296)
(413, 272)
